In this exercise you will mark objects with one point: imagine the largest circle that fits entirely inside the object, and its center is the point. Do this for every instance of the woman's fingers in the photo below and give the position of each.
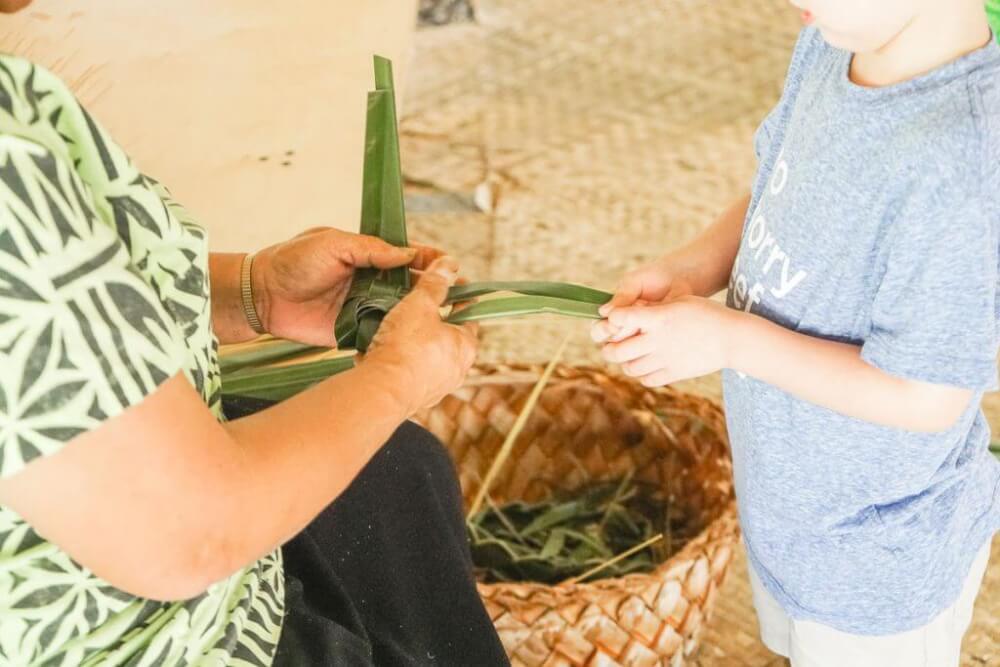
(435, 281)
(424, 256)
(360, 250)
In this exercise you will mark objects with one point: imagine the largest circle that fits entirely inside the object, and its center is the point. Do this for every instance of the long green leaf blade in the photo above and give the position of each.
(531, 288)
(261, 354)
(524, 305)
(280, 383)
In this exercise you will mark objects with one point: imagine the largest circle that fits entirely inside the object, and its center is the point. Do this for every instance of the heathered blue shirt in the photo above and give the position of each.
(875, 220)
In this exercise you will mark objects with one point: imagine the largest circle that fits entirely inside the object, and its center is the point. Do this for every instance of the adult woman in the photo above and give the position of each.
(136, 524)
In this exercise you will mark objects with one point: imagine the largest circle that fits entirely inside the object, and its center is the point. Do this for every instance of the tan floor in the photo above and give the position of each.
(596, 134)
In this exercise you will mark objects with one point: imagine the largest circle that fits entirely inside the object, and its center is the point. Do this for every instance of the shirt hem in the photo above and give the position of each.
(869, 626)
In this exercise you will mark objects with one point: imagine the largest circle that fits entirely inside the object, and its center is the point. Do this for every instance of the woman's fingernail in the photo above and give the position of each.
(446, 272)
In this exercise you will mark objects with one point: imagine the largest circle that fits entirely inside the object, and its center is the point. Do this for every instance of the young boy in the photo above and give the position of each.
(860, 334)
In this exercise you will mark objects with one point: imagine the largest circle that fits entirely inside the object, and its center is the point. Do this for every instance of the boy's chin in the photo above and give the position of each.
(852, 43)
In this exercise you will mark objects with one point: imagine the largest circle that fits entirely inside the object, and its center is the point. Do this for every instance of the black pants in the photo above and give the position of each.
(383, 576)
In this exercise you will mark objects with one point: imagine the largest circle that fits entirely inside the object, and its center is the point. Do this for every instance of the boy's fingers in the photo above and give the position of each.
(601, 331)
(642, 366)
(638, 318)
(628, 350)
(626, 293)
(658, 378)
(623, 334)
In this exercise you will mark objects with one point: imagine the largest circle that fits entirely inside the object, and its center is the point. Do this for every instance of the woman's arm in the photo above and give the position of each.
(163, 500)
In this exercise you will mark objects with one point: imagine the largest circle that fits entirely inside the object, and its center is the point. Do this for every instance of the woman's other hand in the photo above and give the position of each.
(431, 354)
(300, 285)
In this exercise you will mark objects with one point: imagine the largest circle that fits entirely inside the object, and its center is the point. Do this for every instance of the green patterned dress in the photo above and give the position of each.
(103, 296)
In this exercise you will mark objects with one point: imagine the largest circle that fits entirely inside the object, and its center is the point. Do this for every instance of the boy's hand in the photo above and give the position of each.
(685, 338)
(653, 283)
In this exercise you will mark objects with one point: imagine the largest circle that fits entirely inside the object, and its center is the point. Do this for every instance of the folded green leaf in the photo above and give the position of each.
(374, 293)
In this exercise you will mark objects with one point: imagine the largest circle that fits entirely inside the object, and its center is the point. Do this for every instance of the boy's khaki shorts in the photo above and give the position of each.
(809, 644)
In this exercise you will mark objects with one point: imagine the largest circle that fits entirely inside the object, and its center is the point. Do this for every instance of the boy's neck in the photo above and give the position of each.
(931, 40)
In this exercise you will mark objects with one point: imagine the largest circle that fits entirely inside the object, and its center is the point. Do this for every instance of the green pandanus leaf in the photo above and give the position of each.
(277, 384)
(374, 293)
(565, 291)
(366, 306)
(523, 305)
(261, 354)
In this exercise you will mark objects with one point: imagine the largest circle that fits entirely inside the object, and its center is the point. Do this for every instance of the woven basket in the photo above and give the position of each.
(591, 426)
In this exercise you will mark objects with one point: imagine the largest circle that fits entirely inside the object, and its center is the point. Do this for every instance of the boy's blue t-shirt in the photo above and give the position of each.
(875, 220)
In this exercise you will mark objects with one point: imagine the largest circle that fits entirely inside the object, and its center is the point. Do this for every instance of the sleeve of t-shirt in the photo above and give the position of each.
(934, 316)
(82, 335)
(809, 42)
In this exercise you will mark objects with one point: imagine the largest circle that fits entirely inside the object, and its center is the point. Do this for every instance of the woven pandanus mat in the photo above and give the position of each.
(591, 426)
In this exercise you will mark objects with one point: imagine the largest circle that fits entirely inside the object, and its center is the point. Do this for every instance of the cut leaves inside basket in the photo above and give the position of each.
(563, 538)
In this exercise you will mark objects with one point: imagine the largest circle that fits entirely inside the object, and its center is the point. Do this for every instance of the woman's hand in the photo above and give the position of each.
(432, 355)
(300, 285)
(684, 338)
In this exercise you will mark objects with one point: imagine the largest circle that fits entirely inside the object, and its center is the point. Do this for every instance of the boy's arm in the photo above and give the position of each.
(701, 267)
(835, 376)
(707, 261)
(692, 336)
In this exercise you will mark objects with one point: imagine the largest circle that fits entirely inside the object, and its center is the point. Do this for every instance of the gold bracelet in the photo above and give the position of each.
(246, 295)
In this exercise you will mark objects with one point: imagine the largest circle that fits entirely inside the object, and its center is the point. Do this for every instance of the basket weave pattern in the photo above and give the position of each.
(592, 426)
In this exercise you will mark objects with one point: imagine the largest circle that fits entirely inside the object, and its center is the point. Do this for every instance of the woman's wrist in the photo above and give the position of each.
(229, 321)
(260, 266)
(390, 379)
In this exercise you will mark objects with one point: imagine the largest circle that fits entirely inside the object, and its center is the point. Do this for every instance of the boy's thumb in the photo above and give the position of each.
(626, 294)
